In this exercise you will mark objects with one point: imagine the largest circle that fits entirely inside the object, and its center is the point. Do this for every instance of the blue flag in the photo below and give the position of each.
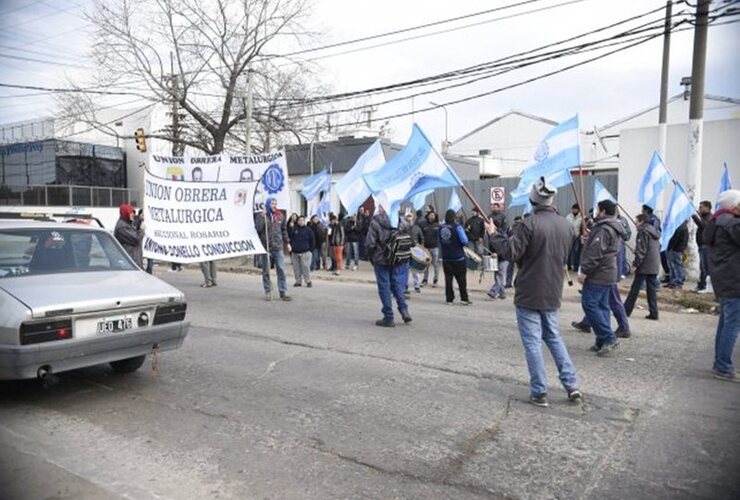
(680, 208)
(724, 184)
(420, 199)
(556, 180)
(656, 178)
(415, 169)
(315, 184)
(351, 188)
(455, 203)
(600, 194)
(559, 151)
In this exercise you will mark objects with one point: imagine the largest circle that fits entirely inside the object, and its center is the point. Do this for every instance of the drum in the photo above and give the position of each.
(490, 263)
(472, 259)
(420, 258)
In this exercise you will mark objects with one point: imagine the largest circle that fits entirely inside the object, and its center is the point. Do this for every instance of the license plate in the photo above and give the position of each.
(115, 325)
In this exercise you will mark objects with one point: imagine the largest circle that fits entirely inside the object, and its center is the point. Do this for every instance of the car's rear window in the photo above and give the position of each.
(27, 252)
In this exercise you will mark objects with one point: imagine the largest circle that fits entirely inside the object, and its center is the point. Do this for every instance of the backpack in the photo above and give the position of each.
(398, 248)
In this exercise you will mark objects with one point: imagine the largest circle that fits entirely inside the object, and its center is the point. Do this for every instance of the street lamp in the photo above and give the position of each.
(446, 143)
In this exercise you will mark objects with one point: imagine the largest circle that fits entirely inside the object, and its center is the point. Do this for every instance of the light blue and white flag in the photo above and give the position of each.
(420, 199)
(656, 178)
(556, 180)
(559, 151)
(418, 167)
(725, 184)
(600, 194)
(679, 209)
(315, 184)
(455, 203)
(351, 188)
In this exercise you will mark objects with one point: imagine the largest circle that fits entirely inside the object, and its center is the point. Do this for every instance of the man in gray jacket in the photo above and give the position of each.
(599, 274)
(539, 246)
(645, 266)
(273, 232)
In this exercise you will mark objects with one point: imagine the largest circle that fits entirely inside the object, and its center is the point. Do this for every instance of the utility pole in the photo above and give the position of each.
(248, 103)
(663, 114)
(696, 122)
(177, 147)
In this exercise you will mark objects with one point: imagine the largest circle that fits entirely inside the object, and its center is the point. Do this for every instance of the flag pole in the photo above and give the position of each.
(580, 207)
(475, 203)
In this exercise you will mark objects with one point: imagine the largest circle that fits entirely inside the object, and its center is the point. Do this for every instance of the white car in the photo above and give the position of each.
(71, 297)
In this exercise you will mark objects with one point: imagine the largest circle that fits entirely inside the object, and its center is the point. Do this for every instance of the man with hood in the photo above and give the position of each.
(128, 235)
(722, 238)
(539, 245)
(646, 266)
(599, 274)
(391, 280)
(273, 231)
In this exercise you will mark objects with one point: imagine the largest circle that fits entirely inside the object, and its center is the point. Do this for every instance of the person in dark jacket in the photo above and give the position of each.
(452, 240)
(475, 231)
(676, 247)
(319, 234)
(701, 219)
(273, 232)
(645, 266)
(431, 242)
(390, 279)
(336, 243)
(599, 274)
(302, 242)
(722, 238)
(129, 235)
(352, 235)
(416, 232)
(539, 245)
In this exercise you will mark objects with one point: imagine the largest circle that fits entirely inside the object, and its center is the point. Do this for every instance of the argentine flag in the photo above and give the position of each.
(680, 208)
(600, 194)
(415, 169)
(315, 184)
(560, 150)
(656, 178)
(351, 188)
(455, 203)
(724, 185)
(556, 180)
(420, 199)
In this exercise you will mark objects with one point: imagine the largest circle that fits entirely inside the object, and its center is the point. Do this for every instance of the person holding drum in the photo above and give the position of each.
(453, 243)
(539, 245)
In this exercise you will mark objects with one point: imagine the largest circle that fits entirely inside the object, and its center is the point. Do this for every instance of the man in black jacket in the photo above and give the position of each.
(646, 266)
(474, 228)
(701, 219)
(722, 237)
(676, 247)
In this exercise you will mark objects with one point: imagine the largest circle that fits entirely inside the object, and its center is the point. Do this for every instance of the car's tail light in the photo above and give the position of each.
(45, 331)
(170, 313)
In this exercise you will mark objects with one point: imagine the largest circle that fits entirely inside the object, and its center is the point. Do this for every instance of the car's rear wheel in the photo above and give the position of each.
(128, 365)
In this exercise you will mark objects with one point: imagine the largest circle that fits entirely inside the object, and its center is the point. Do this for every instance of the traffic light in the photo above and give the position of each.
(140, 140)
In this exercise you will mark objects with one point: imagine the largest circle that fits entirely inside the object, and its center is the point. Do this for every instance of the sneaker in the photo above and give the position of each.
(434, 284)
(406, 317)
(268, 296)
(594, 348)
(704, 290)
(296, 284)
(388, 323)
(729, 377)
(650, 316)
(575, 396)
(540, 401)
(580, 326)
(491, 296)
(424, 283)
(309, 285)
(336, 273)
(417, 290)
(449, 303)
(466, 303)
(502, 296)
(623, 334)
(284, 296)
(354, 268)
(607, 349)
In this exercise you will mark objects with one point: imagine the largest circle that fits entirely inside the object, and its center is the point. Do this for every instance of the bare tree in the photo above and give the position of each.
(197, 53)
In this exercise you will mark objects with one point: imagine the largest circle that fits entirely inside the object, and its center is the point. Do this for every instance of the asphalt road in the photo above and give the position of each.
(310, 400)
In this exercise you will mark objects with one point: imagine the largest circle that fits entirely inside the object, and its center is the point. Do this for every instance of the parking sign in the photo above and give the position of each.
(498, 195)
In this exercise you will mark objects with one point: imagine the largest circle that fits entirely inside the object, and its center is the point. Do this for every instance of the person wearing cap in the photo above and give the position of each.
(539, 246)
(599, 275)
(722, 238)
(273, 232)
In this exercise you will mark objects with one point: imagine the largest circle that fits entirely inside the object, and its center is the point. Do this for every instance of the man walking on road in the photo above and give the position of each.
(599, 274)
(273, 232)
(391, 280)
(646, 266)
(539, 245)
(722, 237)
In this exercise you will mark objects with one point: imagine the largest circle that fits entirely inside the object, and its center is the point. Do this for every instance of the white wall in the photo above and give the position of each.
(721, 144)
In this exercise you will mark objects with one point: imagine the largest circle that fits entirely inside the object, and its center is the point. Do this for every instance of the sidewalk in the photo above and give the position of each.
(479, 283)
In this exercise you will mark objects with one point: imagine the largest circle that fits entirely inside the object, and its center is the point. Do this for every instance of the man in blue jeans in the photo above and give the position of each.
(722, 238)
(539, 245)
(273, 232)
(391, 279)
(599, 274)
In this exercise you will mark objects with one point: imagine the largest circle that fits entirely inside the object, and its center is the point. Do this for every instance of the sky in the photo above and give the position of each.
(44, 41)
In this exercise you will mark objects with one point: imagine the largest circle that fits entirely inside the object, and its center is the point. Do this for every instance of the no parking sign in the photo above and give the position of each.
(498, 195)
